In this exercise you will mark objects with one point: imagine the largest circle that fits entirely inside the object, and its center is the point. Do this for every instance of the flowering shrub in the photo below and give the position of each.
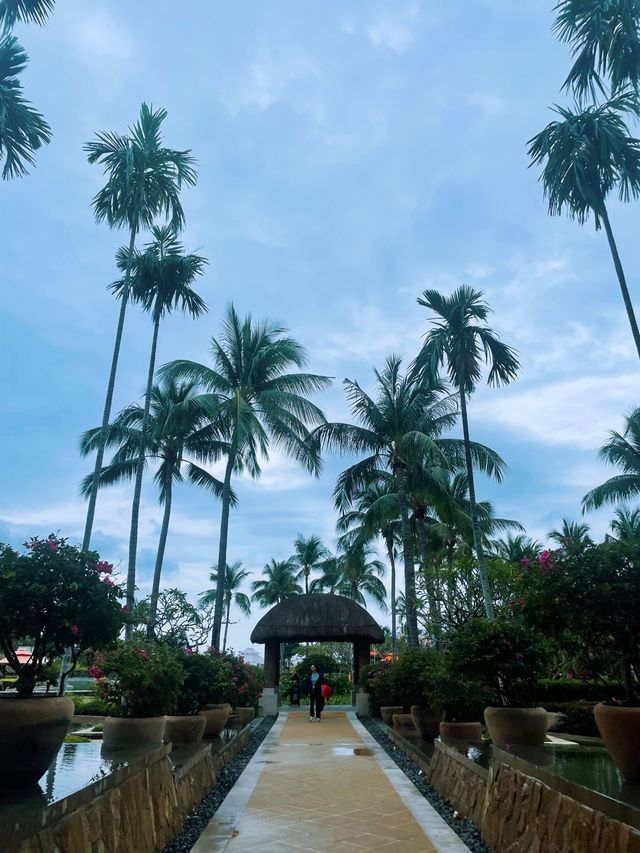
(138, 680)
(246, 681)
(207, 681)
(58, 597)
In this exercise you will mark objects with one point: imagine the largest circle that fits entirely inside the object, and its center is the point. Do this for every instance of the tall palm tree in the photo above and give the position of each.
(234, 577)
(309, 554)
(361, 573)
(178, 437)
(253, 398)
(22, 128)
(29, 11)
(398, 429)
(572, 536)
(626, 523)
(330, 576)
(460, 341)
(161, 280)
(515, 548)
(623, 451)
(586, 155)
(144, 180)
(605, 36)
(277, 584)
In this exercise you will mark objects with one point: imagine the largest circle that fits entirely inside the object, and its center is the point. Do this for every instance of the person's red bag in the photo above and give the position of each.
(326, 692)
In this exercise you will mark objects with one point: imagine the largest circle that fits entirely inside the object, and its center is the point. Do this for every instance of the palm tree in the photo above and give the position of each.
(22, 128)
(256, 402)
(401, 428)
(161, 280)
(460, 343)
(361, 573)
(176, 429)
(586, 155)
(29, 11)
(516, 548)
(309, 554)
(278, 583)
(143, 182)
(233, 578)
(330, 577)
(606, 43)
(572, 536)
(622, 451)
(626, 523)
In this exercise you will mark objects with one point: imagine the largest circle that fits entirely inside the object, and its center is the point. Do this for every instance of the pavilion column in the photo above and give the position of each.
(361, 658)
(269, 701)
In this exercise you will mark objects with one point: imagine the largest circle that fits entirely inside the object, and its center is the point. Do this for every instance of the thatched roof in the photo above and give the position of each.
(316, 618)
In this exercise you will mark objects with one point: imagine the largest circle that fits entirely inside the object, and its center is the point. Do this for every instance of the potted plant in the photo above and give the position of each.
(140, 683)
(594, 599)
(246, 684)
(418, 672)
(508, 658)
(186, 724)
(56, 597)
(464, 702)
(218, 707)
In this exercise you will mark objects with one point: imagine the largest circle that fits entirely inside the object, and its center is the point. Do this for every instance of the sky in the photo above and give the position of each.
(350, 155)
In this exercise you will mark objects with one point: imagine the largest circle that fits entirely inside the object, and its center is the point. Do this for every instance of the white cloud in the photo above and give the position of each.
(100, 41)
(397, 33)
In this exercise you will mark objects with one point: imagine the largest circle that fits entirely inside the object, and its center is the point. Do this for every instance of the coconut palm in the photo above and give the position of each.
(143, 182)
(277, 584)
(587, 155)
(626, 523)
(256, 402)
(623, 451)
(22, 128)
(399, 429)
(330, 577)
(309, 554)
(178, 437)
(161, 280)
(361, 573)
(606, 44)
(572, 536)
(516, 548)
(29, 11)
(234, 577)
(461, 342)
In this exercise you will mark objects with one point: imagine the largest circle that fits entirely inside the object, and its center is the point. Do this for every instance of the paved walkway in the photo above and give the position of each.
(325, 787)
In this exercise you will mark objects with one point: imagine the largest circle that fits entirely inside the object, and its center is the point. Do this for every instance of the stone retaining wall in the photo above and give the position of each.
(517, 812)
(136, 809)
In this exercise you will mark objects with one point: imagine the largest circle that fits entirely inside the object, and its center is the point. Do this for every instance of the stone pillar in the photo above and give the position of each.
(268, 705)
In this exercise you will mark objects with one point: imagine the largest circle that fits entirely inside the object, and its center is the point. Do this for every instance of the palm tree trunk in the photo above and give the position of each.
(621, 278)
(407, 550)
(106, 415)
(222, 549)
(226, 626)
(392, 563)
(421, 535)
(137, 492)
(477, 538)
(155, 589)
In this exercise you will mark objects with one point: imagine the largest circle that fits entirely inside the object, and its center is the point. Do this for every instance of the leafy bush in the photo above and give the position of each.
(379, 684)
(410, 680)
(206, 681)
(245, 681)
(576, 690)
(323, 663)
(580, 719)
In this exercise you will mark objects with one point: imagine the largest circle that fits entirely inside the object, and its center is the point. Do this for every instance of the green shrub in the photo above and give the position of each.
(576, 690)
(580, 719)
(207, 680)
(90, 707)
(410, 680)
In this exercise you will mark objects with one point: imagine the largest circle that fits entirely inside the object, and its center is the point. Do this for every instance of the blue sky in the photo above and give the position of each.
(350, 155)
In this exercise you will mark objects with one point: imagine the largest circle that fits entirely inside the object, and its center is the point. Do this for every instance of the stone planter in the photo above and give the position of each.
(455, 734)
(387, 712)
(427, 721)
(184, 729)
(620, 731)
(403, 724)
(244, 715)
(125, 732)
(31, 732)
(521, 726)
(216, 718)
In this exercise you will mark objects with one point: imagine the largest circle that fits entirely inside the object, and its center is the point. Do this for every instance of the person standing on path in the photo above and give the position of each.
(316, 700)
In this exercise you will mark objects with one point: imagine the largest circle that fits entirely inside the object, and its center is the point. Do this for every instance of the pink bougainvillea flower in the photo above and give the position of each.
(189, 651)
(108, 581)
(52, 544)
(104, 568)
(94, 672)
(525, 561)
(144, 654)
(125, 608)
(74, 630)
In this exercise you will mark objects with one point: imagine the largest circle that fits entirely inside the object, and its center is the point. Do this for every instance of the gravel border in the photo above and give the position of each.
(199, 817)
(467, 831)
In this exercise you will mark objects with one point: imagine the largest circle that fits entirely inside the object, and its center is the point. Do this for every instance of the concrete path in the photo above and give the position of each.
(325, 787)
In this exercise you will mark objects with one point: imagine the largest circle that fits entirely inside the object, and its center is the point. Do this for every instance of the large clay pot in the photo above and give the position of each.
(455, 734)
(184, 729)
(403, 724)
(244, 715)
(620, 731)
(126, 732)
(516, 726)
(427, 721)
(31, 732)
(387, 712)
(216, 717)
